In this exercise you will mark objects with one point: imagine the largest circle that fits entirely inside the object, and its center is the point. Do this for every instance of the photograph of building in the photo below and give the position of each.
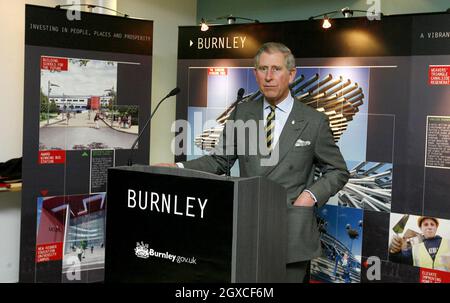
(79, 107)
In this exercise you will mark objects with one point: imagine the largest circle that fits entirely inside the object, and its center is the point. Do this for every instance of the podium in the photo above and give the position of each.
(167, 224)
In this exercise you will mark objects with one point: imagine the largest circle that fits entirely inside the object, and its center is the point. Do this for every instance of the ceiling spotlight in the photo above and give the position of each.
(326, 22)
(347, 12)
(231, 19)
(203, 26)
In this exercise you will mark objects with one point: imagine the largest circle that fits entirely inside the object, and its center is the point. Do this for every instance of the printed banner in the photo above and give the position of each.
(384, 90)
(87, 86)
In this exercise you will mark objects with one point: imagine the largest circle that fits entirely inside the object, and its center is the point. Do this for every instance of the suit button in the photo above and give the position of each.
(291, 167)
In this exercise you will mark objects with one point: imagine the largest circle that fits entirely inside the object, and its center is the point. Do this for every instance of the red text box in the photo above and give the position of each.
(49, 252)
(53, 63)
(439, 75)
(217, 71)
(434, 276)
(52, 157)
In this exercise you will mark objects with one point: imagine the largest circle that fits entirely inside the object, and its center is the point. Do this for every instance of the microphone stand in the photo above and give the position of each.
(240, 95)
(172, 93)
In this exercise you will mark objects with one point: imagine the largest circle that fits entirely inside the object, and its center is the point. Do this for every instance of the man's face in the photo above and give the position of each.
(428, 228)
(273, 78)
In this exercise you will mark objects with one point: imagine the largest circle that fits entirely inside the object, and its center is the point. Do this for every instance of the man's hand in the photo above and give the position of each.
(165, 164)
(304, 199)
(397, 244)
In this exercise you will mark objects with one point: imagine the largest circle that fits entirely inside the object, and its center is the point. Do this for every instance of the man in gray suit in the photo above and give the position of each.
(301, 140)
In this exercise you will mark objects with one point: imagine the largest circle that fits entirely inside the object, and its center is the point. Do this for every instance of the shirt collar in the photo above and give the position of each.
(284, 105)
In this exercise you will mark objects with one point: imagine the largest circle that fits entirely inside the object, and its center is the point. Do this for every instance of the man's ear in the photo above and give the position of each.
(292, 74)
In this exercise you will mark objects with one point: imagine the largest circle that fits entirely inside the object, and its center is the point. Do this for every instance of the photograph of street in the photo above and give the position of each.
(341, 231)
(78, 107)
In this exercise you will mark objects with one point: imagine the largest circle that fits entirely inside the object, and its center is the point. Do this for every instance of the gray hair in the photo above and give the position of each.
(276, 47)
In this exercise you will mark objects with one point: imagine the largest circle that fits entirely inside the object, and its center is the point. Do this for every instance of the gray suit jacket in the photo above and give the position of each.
(294, 170)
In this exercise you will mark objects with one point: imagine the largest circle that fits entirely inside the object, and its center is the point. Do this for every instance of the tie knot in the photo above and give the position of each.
(272, 108)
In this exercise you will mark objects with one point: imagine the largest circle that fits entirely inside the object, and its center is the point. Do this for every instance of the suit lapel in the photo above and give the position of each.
(295, 124)
(256, 111)
(253, 113)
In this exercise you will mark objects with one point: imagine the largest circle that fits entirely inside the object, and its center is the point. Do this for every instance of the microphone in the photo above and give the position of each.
(173, 92)
(240, 95)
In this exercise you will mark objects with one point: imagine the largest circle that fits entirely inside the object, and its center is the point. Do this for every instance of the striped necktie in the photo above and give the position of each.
(270, 125)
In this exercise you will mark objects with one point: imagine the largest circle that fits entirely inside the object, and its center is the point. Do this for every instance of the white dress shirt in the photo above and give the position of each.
(282, 112)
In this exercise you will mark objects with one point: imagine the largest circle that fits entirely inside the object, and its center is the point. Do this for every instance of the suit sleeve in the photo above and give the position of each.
(329, 158)
(222, 157)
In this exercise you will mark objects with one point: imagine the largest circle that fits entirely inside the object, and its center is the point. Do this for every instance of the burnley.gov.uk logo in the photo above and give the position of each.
(142, 250)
